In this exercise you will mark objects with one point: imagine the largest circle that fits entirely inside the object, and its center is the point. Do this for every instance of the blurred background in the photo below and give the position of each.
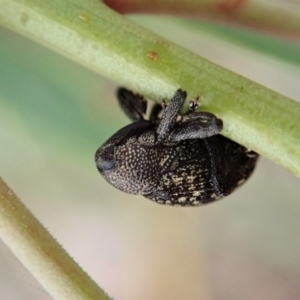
(54, 114)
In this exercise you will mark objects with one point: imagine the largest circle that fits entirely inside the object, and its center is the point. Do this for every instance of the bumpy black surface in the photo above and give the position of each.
(177, 162)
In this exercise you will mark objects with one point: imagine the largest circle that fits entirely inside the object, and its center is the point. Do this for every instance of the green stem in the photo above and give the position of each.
(61, 277)
(92, 34)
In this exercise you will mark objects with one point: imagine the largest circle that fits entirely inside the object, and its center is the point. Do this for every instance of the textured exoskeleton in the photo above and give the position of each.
(175, 160)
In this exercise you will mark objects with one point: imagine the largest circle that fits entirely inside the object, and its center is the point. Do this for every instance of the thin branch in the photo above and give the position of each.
(61, 277)
(273, 17)
(92, 34)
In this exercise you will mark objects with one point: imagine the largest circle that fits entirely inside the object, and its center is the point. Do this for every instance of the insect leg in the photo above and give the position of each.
(170, 114)
(196, 125)
(156, 109)
(133, 105)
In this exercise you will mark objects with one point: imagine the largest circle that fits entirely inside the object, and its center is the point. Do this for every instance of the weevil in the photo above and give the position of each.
(173, 159)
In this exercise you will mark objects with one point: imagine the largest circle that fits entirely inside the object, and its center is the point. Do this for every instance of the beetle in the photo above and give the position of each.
(172, 159)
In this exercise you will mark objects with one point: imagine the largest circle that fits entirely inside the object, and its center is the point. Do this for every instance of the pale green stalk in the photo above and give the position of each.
(61, 277)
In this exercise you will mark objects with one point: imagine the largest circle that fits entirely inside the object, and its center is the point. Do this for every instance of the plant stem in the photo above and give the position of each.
(61, 277)
(262, 15)
(94, 35)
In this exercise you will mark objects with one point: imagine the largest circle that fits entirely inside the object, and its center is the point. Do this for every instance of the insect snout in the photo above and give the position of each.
(105, 159)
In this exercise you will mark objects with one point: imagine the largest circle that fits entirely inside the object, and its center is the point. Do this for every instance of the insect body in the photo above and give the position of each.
(182, 162)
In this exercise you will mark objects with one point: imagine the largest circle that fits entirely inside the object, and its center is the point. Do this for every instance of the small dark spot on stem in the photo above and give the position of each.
(152, 55)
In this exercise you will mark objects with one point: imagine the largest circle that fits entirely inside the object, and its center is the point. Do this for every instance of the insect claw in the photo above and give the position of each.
(193, 105)
(164, 104)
